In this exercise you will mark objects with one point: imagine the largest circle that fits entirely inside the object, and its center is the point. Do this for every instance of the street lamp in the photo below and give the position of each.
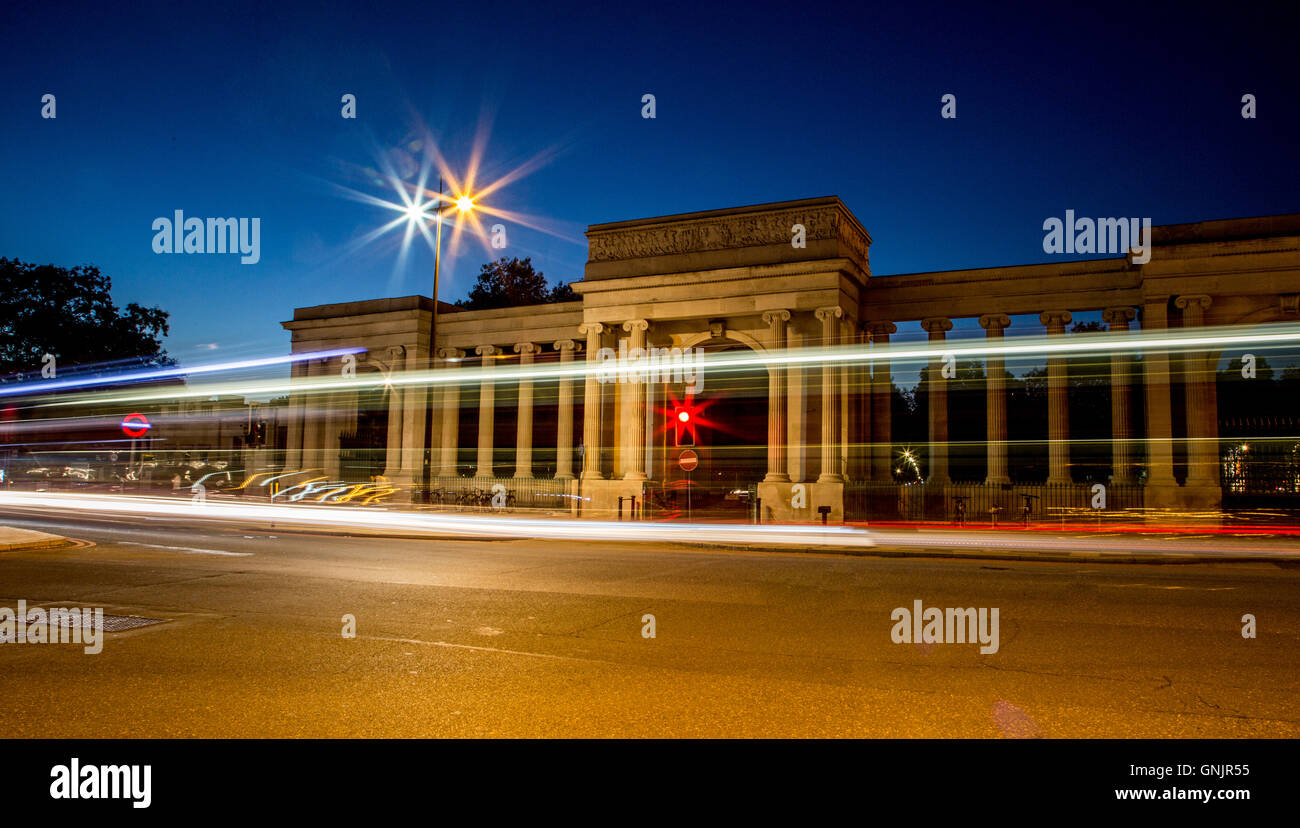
(463, 205)
(416, 212)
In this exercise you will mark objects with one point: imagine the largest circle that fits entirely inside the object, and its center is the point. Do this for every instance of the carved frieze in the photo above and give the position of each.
(724, 233)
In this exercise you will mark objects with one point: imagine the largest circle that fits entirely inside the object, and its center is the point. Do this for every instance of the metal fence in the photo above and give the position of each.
(497, 493)
(998, 504)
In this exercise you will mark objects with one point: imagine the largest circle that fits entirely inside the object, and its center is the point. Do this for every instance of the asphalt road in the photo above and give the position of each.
(540, 638)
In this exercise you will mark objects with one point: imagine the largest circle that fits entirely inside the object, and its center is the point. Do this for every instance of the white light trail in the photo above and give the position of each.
(442, 524)
(842, 538)
(1164, 341)
(45, 386)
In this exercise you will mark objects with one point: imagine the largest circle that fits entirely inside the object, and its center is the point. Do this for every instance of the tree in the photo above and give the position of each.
(69, 312)
(508, 283)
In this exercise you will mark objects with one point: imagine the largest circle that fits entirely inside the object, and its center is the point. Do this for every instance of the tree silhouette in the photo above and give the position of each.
(510, 283)
(69, 312)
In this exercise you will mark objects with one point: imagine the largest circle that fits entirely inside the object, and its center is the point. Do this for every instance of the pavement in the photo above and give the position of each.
(12, 539)
(534, 638)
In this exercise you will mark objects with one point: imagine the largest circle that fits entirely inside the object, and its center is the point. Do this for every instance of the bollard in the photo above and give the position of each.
(620, 508)
(825, 512)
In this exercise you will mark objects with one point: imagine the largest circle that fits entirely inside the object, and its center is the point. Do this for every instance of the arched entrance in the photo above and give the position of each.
(363, 449)
(1258, 441)
(724, 422)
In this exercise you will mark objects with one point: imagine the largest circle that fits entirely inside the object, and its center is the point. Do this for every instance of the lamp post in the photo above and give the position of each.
(416, 212)
(462, 204)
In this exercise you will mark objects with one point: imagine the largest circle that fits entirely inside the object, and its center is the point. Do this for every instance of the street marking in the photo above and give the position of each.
(484, 649)
(1156, 586)
(190, 549)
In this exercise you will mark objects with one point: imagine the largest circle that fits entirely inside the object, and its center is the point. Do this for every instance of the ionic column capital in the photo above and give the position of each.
(527, 348)
(1118, 315)
(772, 316)
(592, 328)
(829, 312)
(487, 350)
(994, 321)
(451, 354)
(882, 328)
(1192, 300)
(636, 325)
(1055, 320)
(570, 345)
(936, 324)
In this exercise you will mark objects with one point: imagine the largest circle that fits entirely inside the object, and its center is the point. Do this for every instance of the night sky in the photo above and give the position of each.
(234, 110)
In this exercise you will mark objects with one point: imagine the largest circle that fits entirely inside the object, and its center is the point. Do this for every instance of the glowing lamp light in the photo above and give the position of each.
(464, 203)
(684, 416)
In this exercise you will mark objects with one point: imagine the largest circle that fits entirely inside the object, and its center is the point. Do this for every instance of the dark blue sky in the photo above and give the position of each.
(233, 110)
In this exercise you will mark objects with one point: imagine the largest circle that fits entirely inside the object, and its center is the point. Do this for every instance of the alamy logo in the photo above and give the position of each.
(652, 365)
(57, 625)
(953, 625)
(215, 235)
(75, 781)
(1103, 235)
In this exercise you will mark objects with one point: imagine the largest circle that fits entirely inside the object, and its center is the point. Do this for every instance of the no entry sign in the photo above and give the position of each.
(688, 460)
(136, 425)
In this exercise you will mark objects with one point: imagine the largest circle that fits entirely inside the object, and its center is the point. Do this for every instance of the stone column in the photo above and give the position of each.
(1058, 402)
(447, 467)
(882, 385)
(776, 401)
(862, 383)
(524, 417)
(848, 412)
(592, 403)
(414, 410)
(334, 404)
(297, 415)
(830, 437)
(393, 457)
(648, 405)
(311, 425)
(1155, 368)
(564, 430)
(1121, 428)
(995, 401)
(937, 391)
(1202, 430)
(634, 433)
(487, 410)
(796, 410)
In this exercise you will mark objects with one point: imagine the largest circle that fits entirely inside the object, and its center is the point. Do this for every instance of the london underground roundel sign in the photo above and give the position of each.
(136, 425)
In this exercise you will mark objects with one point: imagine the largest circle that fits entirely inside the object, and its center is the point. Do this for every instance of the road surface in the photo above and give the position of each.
(509, 637)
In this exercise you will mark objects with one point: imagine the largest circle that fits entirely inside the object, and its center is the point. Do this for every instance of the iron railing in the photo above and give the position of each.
(978, 503)
(497, 493)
